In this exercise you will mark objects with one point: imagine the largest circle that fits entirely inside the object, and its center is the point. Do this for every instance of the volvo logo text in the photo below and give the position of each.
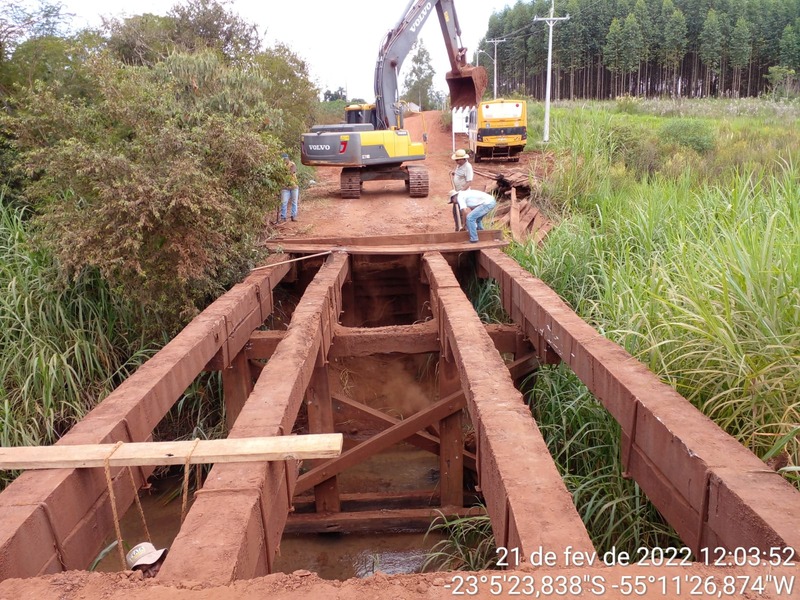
(422, 16)
(319, 147)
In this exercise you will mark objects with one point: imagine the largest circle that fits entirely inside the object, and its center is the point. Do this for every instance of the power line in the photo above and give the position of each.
(551, 20)
(495, 42)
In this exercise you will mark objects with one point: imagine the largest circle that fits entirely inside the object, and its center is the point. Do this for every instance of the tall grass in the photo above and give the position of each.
(63, 345)
(468, 545)
(692, 268)
(689, 257)
(584, 440)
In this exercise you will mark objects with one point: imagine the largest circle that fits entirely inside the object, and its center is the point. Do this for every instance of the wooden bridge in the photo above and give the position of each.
(397, 295)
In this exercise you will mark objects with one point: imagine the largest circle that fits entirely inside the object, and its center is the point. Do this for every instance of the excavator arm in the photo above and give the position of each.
(466, 82)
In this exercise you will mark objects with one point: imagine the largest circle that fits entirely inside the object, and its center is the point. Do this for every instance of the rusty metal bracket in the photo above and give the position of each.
(56, 542)
(703, 513)
(631, 438)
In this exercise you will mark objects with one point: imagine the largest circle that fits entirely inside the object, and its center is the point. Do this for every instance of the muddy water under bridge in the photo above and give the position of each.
(400, 295)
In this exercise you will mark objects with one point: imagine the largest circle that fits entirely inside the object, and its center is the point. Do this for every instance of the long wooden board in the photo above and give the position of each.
(229, 450)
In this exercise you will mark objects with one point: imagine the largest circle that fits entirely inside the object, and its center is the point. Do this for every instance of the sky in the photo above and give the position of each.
(338, 40)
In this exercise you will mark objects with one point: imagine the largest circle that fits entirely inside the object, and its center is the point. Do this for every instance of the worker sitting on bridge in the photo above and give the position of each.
(477, 204)
(462, 175)
(145, 558)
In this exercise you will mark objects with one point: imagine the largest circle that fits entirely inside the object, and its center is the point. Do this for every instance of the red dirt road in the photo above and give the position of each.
(385, 207)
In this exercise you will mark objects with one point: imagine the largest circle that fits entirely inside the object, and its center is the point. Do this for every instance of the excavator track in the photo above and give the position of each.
(350, 183)
(417, 181)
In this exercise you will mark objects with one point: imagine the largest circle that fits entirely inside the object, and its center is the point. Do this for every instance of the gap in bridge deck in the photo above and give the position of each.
(403, 476)
(383, 291)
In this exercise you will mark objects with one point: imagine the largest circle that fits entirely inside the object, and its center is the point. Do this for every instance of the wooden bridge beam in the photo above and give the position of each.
(31, 541)
(525, 497)
(235, 524)
(710, 488)
(419, 338)
(320, 420)
(396, 433)
(346, 409)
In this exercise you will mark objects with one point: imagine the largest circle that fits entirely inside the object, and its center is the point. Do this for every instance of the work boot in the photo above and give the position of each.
(294, 218)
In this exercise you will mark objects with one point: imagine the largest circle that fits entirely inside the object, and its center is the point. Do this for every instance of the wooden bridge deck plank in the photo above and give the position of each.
(270, 410)
(526, 499)
(172, 453)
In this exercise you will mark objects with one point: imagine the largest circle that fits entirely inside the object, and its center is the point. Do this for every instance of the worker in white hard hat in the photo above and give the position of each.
(145, 558)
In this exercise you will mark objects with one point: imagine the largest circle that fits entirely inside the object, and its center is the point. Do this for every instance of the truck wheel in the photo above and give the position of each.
(350, 183)
(417, 182)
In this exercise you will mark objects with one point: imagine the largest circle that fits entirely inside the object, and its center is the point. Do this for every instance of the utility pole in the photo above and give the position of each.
(495, 42)
(551, 20)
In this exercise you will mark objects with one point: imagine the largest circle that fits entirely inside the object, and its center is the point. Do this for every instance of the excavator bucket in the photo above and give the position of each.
(467, 86)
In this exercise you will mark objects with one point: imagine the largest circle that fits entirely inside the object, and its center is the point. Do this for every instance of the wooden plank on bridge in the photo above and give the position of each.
(192, 452)
(417, 243)
(515, 467)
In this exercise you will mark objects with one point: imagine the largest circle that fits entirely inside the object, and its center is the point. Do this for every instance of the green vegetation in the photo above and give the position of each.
(62, 346)
(647, 48)
(138, 164)
(469, 545)
(678, 237)
(585, 442)
(686, 255)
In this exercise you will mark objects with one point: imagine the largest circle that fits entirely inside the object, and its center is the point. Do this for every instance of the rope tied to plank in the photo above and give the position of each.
(113, 501)
(186, 470)
(139, 505)
(291, 260)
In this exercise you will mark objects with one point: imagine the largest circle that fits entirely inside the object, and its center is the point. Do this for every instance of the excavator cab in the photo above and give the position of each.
(466, 86)
(360, 113)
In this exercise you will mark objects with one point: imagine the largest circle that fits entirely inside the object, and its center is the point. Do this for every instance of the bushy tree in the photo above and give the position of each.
(612, 50)
(142, 39)
(207, 24)
(740, 51)
(632, 46)
(19, 23)
(161, 182)
(790, 47)
(290, 90)
(419, 80)
(673, 44)
(332, 96)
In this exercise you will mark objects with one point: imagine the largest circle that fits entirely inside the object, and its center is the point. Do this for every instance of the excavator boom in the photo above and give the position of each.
(372, 144)
(466, 82)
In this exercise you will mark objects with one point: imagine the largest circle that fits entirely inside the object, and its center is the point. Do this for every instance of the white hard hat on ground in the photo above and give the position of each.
(143, 554)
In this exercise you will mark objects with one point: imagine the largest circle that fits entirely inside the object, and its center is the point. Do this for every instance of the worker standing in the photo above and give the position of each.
(462, 175)
(290, 190)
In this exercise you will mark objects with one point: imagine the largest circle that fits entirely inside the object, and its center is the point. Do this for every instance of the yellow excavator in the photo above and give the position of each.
(372, 144)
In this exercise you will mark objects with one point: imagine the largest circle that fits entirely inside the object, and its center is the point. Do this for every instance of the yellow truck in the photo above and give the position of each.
(498, 129)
